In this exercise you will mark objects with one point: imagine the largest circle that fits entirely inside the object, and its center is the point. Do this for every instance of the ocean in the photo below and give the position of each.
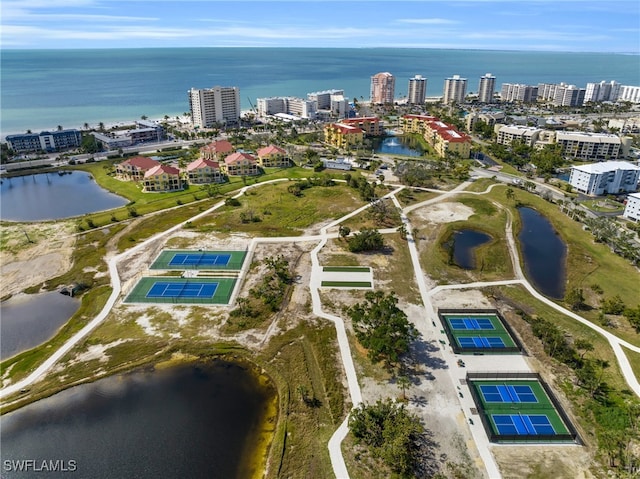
(42, 89)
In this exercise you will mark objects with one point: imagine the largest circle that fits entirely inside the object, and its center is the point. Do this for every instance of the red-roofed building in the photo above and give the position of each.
(273, 156)
(217, 150)
(203, 171)
(134, 168)
(240, 164)
(162, 178)
(443, 137)
(370, 125)
(416, 123)
(343, 136)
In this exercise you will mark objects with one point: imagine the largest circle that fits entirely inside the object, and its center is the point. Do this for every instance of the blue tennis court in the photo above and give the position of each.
(523, 424)
(480, 342)
(197, 259)
(182, 290)
(514, 394)
(471, 323)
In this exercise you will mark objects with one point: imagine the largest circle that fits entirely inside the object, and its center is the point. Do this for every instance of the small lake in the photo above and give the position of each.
(464, 244)
(190, 421)
(544, 253)
(397, 145)
(31, 319)
(50, 196)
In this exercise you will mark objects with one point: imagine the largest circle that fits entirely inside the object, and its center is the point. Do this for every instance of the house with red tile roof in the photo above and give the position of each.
(217, 150)
(133, 169)
(273, 156)
(162, 178)
(202, 171)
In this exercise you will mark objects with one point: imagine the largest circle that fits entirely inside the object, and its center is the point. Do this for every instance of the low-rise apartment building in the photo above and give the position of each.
(134, 169)
(343, 136)
(203, 171)
(632, 208)
(240, 164)
(609, 177)
(444, 138)
(507, 134)
(589, 146)
(370, 125)
(274, 157)
(48, 141)
(162, 178)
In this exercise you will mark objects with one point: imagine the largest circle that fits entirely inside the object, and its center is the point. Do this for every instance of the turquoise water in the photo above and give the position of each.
(42, 89)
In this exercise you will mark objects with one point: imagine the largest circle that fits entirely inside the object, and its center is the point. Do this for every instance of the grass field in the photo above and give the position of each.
(346, 284)
(347, 269)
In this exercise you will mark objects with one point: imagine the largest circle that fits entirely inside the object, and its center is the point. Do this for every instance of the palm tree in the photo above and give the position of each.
(101, 126)
(86, 126)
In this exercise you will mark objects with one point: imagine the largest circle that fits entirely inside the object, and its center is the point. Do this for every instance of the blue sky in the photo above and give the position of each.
(546, 25)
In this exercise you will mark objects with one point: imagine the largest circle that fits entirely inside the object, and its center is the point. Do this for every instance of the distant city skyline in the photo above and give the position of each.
(531, 25)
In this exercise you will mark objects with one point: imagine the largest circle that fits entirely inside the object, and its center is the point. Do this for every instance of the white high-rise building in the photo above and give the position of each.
(486, 88)
(455, 89)
(214, 105)
(417, 90)
(629, 93)
(323, 98)
(517, 92)
(382, 88)
(603, 91)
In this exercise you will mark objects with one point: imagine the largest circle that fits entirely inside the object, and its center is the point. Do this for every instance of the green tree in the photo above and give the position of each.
(391, 434)
(382, 327)
(344, 231)
(613, 305)
(366, 240)
(575, 299)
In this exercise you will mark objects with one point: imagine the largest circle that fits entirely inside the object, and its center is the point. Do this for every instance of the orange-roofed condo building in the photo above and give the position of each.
(274, 157)
(382, 88)
(370, 125)
(445, 139)
(240, 164)
(343, 136)
(203, 171)
(135, 168)
(217, 150)
(162, 178)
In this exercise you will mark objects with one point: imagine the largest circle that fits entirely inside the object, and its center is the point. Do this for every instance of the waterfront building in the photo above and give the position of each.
(455, 89)
(323, 98)
(214, 106)
(240, 164)
(162, 178)
(417, 90)
(568, 95)
(516, 92)
(445, 139)
(632, 208)
(297, 107)
(629, 93)
(486, 88)
(370, 125)
(342, 135)
(134, 169)
(202, 171)
(144, 132)
(217, 150)
(273, 156)
(603, 91)
(609, 177)
(48, 141)
(382, 88)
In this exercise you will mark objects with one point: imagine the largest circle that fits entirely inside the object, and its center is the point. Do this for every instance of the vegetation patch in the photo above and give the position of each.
(346, 284)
